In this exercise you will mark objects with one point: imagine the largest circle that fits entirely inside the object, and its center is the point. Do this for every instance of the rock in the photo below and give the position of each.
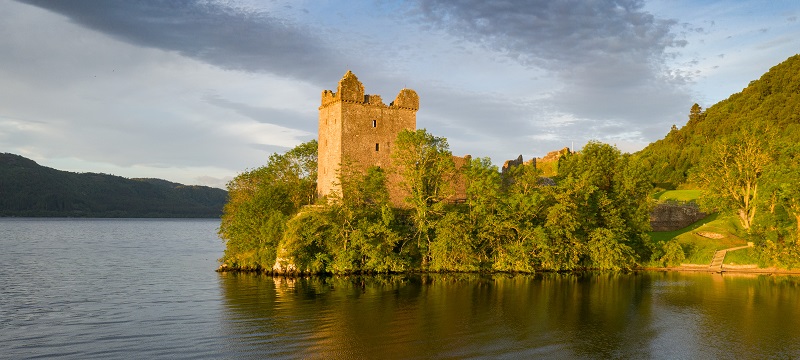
(710, 235)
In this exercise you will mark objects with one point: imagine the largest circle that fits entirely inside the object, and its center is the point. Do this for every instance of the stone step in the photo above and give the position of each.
(718, 259)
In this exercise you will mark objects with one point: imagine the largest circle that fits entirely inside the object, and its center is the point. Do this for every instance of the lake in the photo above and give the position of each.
(146, 288)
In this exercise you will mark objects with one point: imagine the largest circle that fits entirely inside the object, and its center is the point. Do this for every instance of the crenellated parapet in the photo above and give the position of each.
(351, 90)
(406, 99)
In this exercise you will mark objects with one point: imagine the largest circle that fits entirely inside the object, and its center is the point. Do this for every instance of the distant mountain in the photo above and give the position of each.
(771, 102)
(29, 189)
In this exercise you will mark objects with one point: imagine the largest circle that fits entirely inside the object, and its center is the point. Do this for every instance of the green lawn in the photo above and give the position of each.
(743, 257)
(678, 195)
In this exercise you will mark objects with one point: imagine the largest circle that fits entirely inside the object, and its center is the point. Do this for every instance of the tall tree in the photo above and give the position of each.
(426, 166)
(731, 175)
(261, 200)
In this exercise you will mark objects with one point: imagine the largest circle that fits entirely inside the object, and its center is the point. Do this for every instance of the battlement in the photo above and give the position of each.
(351, 90)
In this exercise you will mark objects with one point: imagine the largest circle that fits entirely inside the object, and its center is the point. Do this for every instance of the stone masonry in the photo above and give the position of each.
(360, 129)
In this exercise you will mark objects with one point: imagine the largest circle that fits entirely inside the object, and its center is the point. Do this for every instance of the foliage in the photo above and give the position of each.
(29, 189)
(426, 165)
(367, 235)
(673, 253)
(743, 151)
(771, 102)
(261, 201)
(731, 174)
(781, 254)
(603, 198)
(596, 216)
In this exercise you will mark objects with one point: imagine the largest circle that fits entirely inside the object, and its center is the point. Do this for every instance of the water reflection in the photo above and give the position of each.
(593, 315)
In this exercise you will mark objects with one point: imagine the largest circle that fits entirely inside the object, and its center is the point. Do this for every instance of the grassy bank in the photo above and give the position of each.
(701, 239)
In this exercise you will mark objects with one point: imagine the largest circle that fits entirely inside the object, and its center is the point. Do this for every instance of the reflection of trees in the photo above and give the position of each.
(602, 315)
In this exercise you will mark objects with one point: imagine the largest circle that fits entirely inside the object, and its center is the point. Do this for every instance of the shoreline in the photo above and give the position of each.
(733, 269)
(729, 269)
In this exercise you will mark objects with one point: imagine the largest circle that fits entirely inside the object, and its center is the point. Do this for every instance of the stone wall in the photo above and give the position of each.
(459, 182)
(672, 216)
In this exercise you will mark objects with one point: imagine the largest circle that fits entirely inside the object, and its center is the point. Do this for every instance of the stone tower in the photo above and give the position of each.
(359, 128)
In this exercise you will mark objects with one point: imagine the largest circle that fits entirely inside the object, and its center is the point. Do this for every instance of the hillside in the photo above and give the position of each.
(769, 103)
(29, 189)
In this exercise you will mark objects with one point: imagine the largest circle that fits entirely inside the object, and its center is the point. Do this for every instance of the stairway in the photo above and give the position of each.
(719, 257)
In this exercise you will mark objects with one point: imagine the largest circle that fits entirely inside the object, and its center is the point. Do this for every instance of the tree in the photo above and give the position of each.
(731, 175)
(600, 214)
(781, 179)
(260, 202)
(426, 166)
(366, 235)
(695, 114)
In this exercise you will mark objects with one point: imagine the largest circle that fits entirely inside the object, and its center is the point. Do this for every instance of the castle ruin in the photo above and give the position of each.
(360, 129)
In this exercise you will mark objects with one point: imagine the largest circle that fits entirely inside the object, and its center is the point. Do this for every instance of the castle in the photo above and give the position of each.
(359, 128)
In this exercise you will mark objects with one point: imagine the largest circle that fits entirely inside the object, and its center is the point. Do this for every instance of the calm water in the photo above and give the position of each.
(146, 289)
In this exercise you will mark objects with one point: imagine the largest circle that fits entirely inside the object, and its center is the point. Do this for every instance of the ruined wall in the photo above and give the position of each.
(359, 128)
(508, 164)
(459, 182)
(549, 163)
(669, 216)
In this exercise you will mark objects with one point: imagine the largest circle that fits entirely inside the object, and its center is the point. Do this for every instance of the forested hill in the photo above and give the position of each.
(29, 189)
(768, 106)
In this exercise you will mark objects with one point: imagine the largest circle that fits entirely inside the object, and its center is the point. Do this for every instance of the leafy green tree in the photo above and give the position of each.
(673, 253)
(261, 201)
(519, 237)
(788, 181)
(601, 213)
(367, 235)
(731, 175)
(426, 166)
(305, 244)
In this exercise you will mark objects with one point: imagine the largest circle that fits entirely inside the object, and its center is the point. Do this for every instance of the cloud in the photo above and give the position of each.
(292, 119)
(230, 37)
(80, 100)
(551, 33)
(609, 58)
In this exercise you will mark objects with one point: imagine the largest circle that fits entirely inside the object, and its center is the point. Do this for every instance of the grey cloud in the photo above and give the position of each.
(228, 37)
(610, 57)
(290, 119)
(550, 33)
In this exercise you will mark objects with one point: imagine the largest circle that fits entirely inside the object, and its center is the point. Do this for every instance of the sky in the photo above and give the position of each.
(196, 92)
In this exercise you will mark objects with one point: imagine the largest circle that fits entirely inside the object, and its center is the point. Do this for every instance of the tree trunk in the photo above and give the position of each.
(744, 218)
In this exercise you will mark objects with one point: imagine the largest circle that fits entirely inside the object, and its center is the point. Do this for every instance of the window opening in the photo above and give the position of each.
(374, 123)
(377, 145)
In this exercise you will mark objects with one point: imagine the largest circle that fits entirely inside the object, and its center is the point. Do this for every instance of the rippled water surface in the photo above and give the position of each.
(146, 289)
